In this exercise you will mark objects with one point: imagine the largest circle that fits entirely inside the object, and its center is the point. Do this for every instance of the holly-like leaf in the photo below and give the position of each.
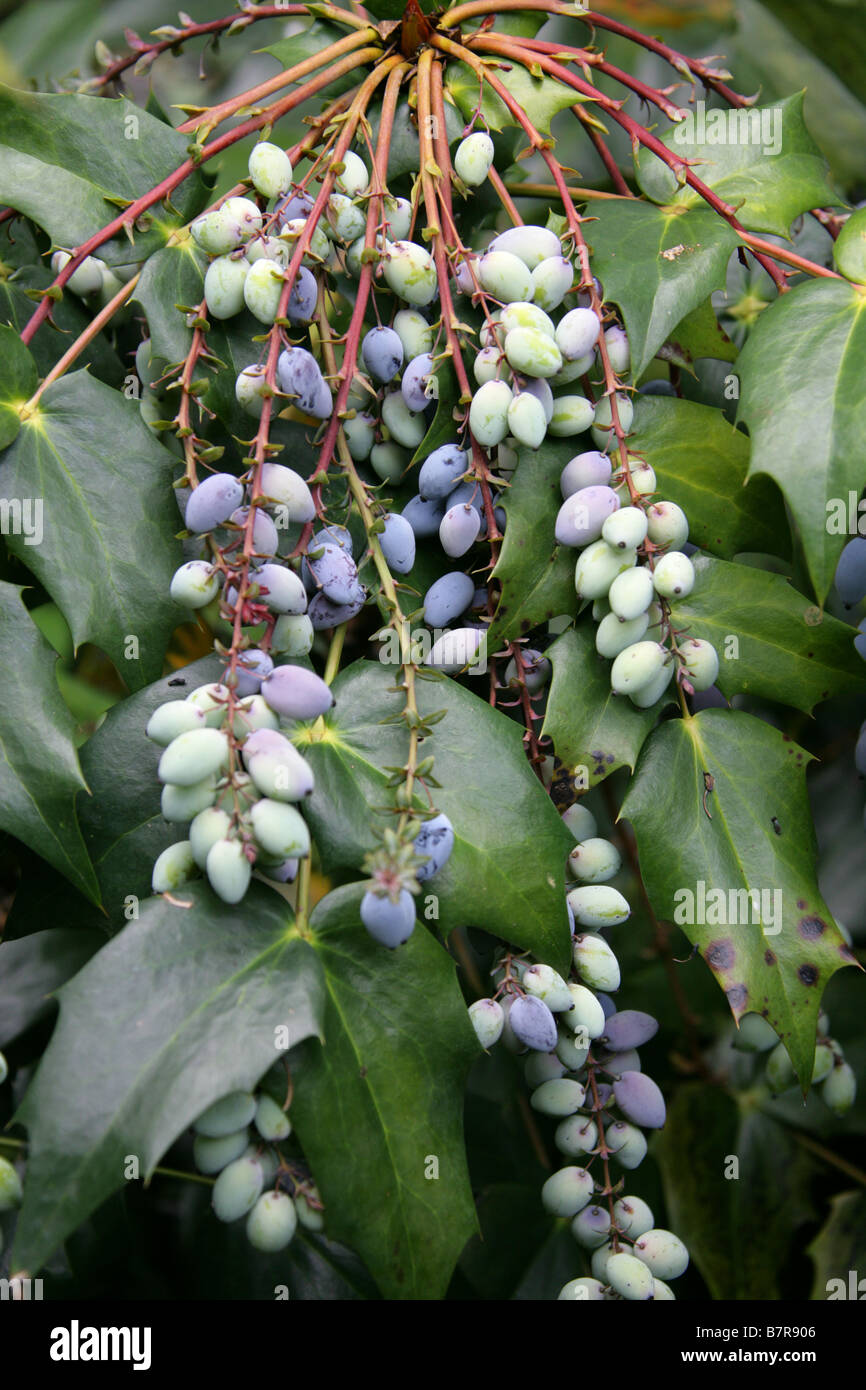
(658, 264)
(536, 575)
(698, 335)
(801, 396)
(729, 856)
(772, 642)
(540, 98)
(309, 42)
(64, 156)
(594, 732)
(40, 774)
(68, 320)
(174, 275)
(18, 379)
(33, 968)
(718, 1218)
(380, 1100)
(107, 553)
(506, 873)
(180, 1008)
(702, 463)
(761, 160)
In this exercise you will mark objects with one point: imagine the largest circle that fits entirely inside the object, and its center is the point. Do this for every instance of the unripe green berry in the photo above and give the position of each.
(230, 1113)
(192, 756)
(414, 332)
(580, 821)
(602, 430)
(237, 1189)
(488, 413)
(407, 427)
(667, 524)
(272, 1122)
(224, 286)
(504, 276)
(180, 804)
(613, 634)
(11, 1190)
(637, 665)
(355, 178)
(570, 1048)
(583, 1290)
(262, 289)
(674, 575)
(228, 870)
(272, 1222)
(663, 1253)
(627, 1144)
(567, 1192)
(488, 1020)
(293, 635)
(174, 867)
(560, 1097)
(211, 1155)
(521, 314)
(701, 662)
(87, 278)
(628, 1277)
(575, 1135)
(571, 415)
(633, 1216)
(270, 169)
(209, 825)
(173, 718)
(626, 529)
(586, 1014)
(410, 271)
(527, 420)
(840, 1088)
(598, 566)
(596, 963)
(591, 1227)
(473, 158)
(280, 829)
(595, 861)
(598, 905)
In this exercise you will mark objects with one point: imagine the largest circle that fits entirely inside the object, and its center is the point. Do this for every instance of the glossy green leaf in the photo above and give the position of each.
(182, 1007)
(738, 1226)
(18, 380)
(536, 574)
(594, 732)
(378, 1104)
(698, 335)
(658, 264)
(772, 642)
(108, 550)
(701, 462)
(732, 862)
(309, 42)
(760, 160)
(506, 873)
(63, 156)
(801, 396)
(33, 968)
(40, 774)
(540, 98)
(173, 276)
(68, 319)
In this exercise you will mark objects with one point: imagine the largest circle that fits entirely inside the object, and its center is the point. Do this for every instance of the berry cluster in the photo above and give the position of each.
(584, 1070)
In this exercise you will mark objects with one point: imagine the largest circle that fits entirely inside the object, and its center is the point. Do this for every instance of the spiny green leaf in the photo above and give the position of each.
(33, 968)
(18, 379)
(749, 832)
(540, 98)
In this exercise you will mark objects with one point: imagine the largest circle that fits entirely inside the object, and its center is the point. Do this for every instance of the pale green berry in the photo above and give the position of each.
(532, 353)
(840, 1088)
(507, 457)
(488, 413)
(598, 905)
(600, 609)
(524, 315)
(11, 1190)
(237, 1189)
(613, 635)
(389, 461)
(567, 1192)
(271, 1121)
(211, 701)
(643, 480)
(551, 281)
(410, 272)
(228, 870)
(571, 371)
(398, 211)
(571, 415)
(823, 1063)
(347, 219)
(598, 566)
(594, 860)
(596, 963)
(580, 821)
(547, 984)
(360, 434)
(663, 1253)
(633, 1217)
(583, 1290)
(269, 248)
(218, 232)
(662, 1292)
(488, 1019)
(754, 1034)
(253, 712)
(262, 289)
(209, 825)
(224, 286)
(618, 351)
(270, 169)
(599, 1260)
(414, 332)
(272, 1222)
(174, 867)
(491, 332)
(211, 1155)
(310, 1217)
(318, 246)
(192, 756)
(627, 1144)
(354, 252)
(355, 177)
(408, 427)
(540, 1067)
(251, 388)
(560, 1097)
(649, 694)
(576, 1135)
(4, 1068)
(674, 575)
(626, 529)
(87, 278)
(180, 804)
(591, 1228)
(531, 243)
(280, 829)
(602, 430)
(572, 1049)
(230, 1113)
(527, 420)
(246, 213)
(667, 524)
(473, 158)
(701, 662)
(504, 276)
(171, 719)
(628, 1277)
(635, 667)
(486, 365)
(586, 1014)
(284, 485)
(631, 594)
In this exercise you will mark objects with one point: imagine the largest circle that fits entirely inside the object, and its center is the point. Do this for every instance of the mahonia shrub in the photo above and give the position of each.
(443, 559)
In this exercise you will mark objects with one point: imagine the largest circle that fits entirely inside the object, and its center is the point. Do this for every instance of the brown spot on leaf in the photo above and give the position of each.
(808, 974)
(720, 955)
(810, 928)
(769, 957)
